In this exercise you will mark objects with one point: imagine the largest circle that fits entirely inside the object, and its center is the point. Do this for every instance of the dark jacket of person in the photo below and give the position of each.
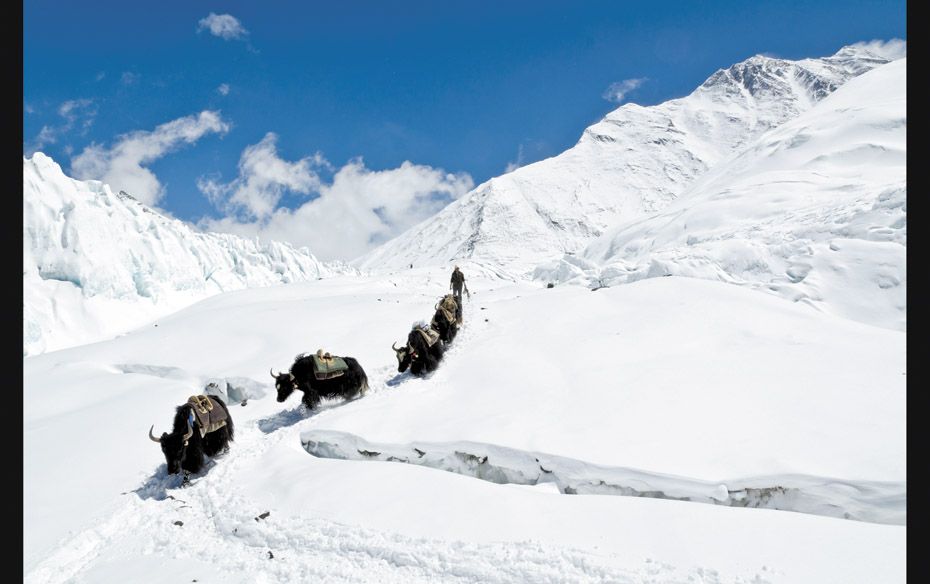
(458, 279)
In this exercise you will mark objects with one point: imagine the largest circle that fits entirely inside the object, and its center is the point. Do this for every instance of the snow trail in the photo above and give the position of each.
(209, 523)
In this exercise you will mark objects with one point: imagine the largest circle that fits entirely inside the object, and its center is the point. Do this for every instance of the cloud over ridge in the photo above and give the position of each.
(122, 164)
(355, 211)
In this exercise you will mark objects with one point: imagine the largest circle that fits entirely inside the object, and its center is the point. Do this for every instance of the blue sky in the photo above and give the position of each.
(460, 90)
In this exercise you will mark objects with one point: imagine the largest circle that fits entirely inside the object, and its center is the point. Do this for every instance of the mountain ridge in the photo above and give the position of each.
(632, 163)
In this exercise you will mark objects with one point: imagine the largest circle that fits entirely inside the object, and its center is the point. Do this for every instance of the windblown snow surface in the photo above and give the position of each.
(97, 264)
(633, 163)
(813, 211)
(669, 430)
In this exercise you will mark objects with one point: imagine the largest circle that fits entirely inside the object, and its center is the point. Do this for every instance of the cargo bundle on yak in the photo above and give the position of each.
(422, 352)
(448, 318)
(202, 426)
(321, 375)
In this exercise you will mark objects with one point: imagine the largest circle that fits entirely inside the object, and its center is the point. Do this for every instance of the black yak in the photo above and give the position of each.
(447, 318)
(321, 375)
(202, 426)
(419, 354)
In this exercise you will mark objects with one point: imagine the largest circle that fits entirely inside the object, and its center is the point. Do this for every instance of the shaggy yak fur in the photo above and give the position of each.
(189, 457)
(352, 383)
(447, 330)
(416, 355)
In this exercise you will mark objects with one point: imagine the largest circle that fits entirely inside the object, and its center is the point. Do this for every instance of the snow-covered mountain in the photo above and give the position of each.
(814, 210)
(684, 416)
(634, 162)
(96, 264)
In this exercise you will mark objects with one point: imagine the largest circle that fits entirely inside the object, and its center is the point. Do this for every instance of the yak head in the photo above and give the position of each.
(285, 383)
(404, 357)
(174, 447)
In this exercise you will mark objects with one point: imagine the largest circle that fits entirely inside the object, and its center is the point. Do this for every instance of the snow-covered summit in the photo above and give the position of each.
(634, 162)
(97, 263)
(814, 211)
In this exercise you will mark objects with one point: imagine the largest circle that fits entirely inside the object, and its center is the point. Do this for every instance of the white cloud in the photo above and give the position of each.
(77, 109)
(46, 136)
(263, 179)
(358, 210)
(224, 26)
(100, 76)
(514, 165)
(121, 166)
(892, 50)
(29, 109)
(76, 113)
(617, 91)
(223, 89)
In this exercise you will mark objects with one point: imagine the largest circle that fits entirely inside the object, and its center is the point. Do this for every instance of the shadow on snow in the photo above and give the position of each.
(292, 416)
(157, 486)
(406, 376)
(285, 418)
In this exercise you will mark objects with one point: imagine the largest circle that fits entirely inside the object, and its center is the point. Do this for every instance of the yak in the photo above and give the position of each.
(447, 319)
(420, 355)
(202, 426)
(306, 376)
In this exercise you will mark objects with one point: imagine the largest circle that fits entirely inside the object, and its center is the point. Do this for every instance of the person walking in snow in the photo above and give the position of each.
(457, 283)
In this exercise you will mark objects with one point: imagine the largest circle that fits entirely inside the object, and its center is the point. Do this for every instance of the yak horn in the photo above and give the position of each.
(271, 370)
(152, 436)
(393, 346)
(190, 432)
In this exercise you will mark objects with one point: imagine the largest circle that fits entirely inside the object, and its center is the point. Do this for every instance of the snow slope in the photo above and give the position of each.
(633, 163)
(814, 211)
(96, 264)
(666, 389)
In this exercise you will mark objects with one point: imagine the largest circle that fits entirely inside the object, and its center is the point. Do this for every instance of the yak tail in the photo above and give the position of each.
(364, 385)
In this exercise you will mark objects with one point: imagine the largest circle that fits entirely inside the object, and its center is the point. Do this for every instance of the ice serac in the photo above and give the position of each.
(814, 211)
(633, 163)
(96, 264)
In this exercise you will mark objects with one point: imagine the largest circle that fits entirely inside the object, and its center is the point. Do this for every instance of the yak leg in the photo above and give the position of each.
(216, 441)
(311, 399)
